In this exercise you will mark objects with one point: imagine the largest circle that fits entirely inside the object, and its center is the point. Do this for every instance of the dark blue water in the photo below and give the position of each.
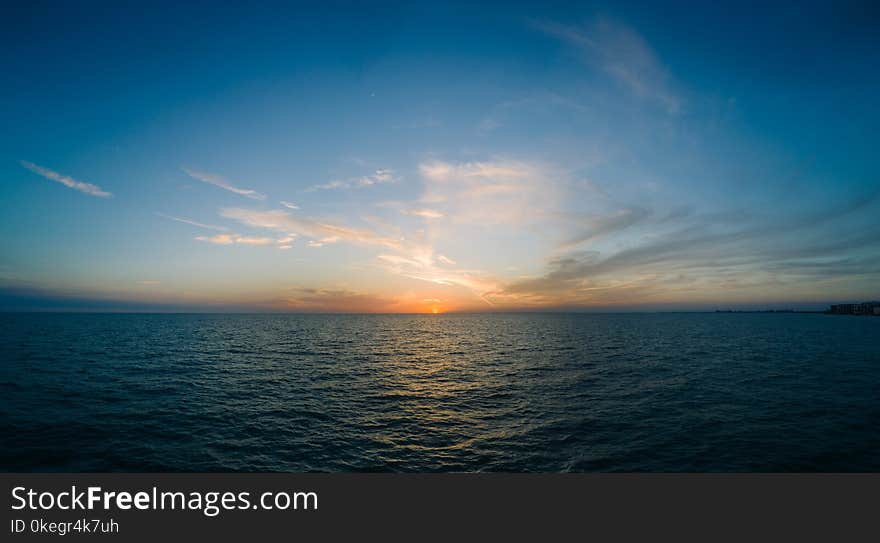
(526, 392)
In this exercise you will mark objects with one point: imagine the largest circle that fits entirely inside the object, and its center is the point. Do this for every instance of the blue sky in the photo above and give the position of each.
(438, 157)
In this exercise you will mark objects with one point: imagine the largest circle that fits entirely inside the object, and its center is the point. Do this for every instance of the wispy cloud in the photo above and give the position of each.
(421, 265)
(423, 213)
(219, 239)
(410, 257)
(501, 193)
(490, 192)
(254, 240)
(289, 205)
(623, 54)
(193, 223)
(376, 178)
(230, 239)
(439, 170)
(594, 227)
(710, 257)
(87, 188)
(323, 232)
(223, 183)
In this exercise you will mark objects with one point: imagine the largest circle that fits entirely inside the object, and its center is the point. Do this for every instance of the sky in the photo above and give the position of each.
(438, 157)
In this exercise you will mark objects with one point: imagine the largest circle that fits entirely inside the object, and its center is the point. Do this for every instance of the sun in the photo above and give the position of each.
(433, 306)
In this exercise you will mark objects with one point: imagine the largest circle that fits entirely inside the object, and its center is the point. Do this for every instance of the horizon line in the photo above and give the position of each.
(410, 313)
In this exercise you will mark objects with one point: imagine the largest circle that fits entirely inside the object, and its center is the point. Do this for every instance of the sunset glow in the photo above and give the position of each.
(501, 162)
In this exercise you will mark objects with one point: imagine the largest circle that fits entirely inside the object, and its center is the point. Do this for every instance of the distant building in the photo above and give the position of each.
(864, 308)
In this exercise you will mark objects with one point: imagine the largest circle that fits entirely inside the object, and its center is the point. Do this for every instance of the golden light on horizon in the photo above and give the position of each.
(433, 306)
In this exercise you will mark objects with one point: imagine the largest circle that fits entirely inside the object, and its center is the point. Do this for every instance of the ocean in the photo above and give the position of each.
(666, 392)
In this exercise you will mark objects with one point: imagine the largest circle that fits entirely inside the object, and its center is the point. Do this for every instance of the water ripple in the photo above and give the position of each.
(550, 392)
